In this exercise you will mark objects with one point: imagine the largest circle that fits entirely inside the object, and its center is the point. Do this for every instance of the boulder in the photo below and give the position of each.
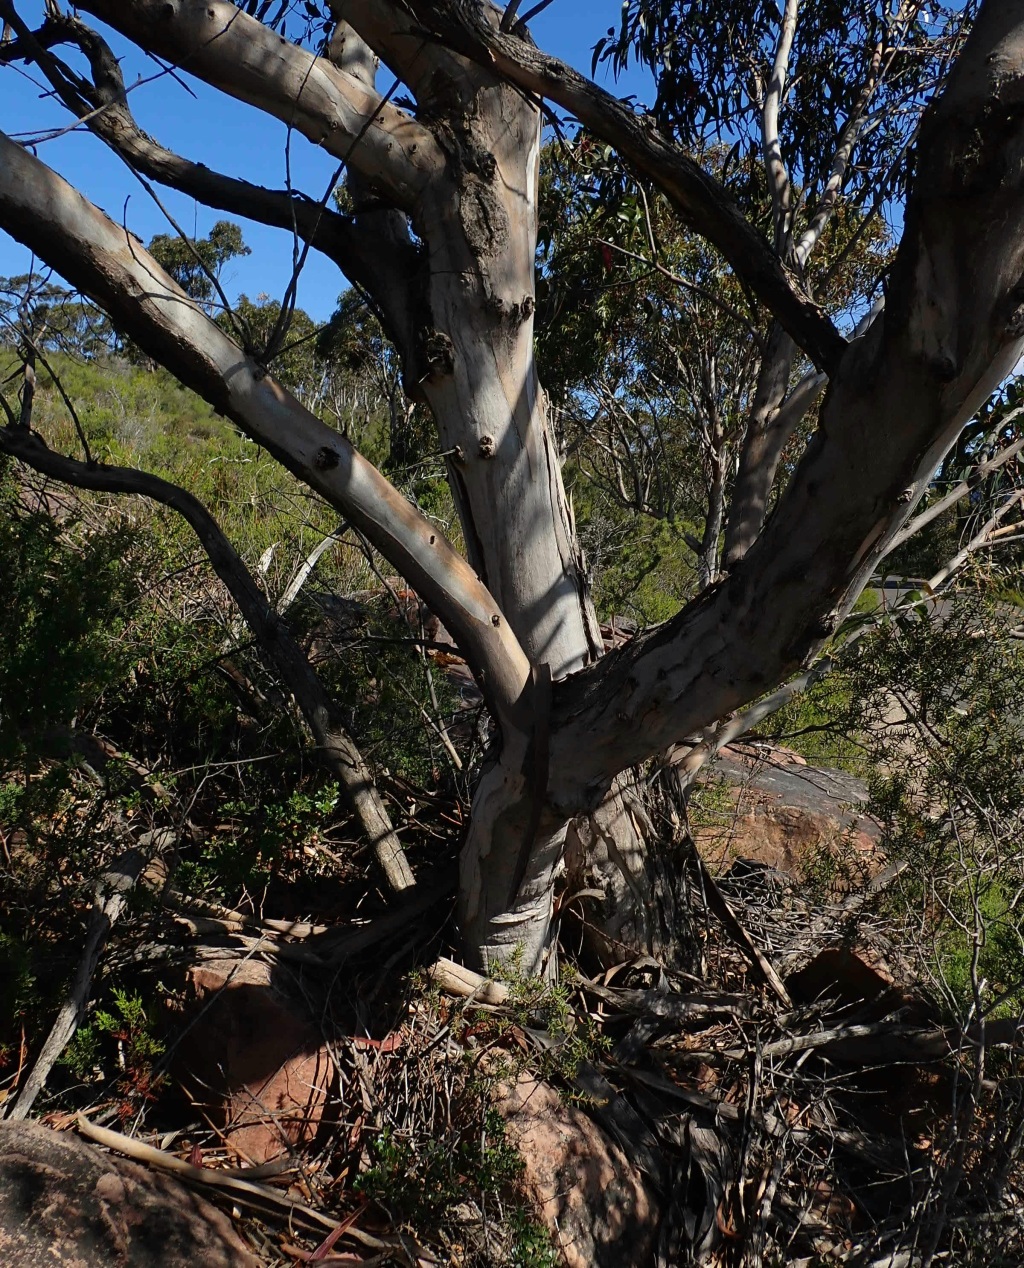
(67, 1204)
(784, 813)
(252, 1058)
(585, 1190)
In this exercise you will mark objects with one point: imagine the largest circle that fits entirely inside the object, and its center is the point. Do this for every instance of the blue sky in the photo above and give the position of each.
(210, 128)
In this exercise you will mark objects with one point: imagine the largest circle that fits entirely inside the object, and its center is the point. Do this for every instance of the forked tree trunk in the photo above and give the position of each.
(479, 224)
(463, 170)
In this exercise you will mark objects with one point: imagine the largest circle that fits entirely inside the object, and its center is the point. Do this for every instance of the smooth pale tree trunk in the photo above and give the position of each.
(479, 224)
(492, 417)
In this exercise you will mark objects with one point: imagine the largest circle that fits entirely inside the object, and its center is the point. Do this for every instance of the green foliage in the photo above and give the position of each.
(822, 725)
(17, 981)
(711, 63)
(67, 587)
(419, 1182)
(649, 577)
(573, 1038)
(290, 349)
(122, 1046)
(441, 1162)
(39, 315)
(423, 1184)
(197, 263)
(933, 704)
(710, 804)
(652, 350)
(255, 839)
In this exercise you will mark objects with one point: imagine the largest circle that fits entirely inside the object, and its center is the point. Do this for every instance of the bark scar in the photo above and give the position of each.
(539, 761)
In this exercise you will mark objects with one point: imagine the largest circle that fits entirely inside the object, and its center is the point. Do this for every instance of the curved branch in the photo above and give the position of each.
(385, 275)
(229, 50)
(39, 209)
(337, 748)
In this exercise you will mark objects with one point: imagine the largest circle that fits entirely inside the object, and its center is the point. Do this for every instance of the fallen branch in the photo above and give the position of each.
(245, 1192)
(671, 1006)
(112, 891)
(717, 903)
(465, 983)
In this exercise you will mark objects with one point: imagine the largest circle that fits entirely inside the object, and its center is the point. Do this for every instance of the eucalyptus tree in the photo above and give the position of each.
(652, 348)
(915, 109)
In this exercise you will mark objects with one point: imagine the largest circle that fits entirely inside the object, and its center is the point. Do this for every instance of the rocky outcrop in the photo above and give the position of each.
(586, 1191)
(66, 1204)
(781, 812)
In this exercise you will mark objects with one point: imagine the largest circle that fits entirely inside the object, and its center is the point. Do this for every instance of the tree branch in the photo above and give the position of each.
(386, 275)
(401, 43)
(773, 420)
(960, 490)
(41, 210)
(472, 29)
(775, 167)
(952, 329)
(989, 531)
(231, 51)
(337, 748)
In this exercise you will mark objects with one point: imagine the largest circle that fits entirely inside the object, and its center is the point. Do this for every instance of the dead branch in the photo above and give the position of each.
(337, 749)
(113, 890)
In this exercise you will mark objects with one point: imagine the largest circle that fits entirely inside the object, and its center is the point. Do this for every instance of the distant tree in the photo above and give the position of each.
(196, 264)
(653, 348)
(35, 309)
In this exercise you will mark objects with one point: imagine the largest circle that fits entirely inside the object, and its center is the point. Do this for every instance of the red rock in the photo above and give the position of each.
(785, 813)
(583, 1187)
(254, 1060)
(66, 1204)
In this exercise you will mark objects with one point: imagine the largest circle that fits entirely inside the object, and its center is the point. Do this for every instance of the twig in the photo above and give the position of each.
(246, 1192)
(717, 903)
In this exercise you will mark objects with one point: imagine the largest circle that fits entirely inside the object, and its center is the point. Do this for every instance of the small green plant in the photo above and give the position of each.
(121, 1044)
(531, 1243)
(535, 1004)
(432, 1184)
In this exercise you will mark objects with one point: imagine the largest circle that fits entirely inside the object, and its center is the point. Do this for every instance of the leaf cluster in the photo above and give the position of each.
(713, 64)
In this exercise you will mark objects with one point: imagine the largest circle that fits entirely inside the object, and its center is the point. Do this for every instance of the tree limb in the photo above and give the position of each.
(42, 211)
(386, 275)
(952, 329)
(337, 749)
(979, 541)
(775, 167)
(231, 51)
(960, 490)
(773, 420)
